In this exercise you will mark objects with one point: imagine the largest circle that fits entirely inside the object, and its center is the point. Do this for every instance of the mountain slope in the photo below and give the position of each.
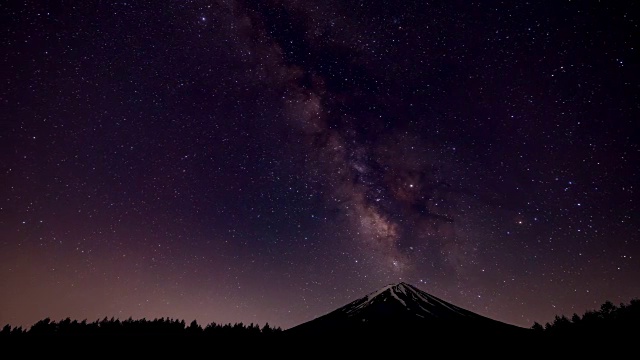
(402, 309)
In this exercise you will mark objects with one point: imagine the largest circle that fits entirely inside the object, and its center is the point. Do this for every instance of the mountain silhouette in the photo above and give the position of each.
(403, 310)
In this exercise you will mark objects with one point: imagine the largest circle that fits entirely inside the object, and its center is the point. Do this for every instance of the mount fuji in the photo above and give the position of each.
(403, 310)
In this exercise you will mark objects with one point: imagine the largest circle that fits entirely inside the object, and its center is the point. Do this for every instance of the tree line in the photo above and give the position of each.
(140, 327)
(608, 320)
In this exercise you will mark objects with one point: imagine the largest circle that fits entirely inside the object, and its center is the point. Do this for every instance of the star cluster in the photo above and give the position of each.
(270, 161)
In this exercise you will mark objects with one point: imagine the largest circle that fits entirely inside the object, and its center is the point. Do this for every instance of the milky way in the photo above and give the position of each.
(270, 161)
(365, 153)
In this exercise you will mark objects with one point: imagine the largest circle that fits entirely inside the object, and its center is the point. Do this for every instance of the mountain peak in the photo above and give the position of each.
(400, 284)
(393, 289)
(395, 306)
(398, 306)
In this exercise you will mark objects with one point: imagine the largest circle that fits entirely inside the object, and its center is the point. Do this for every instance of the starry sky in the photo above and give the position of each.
(271, 161)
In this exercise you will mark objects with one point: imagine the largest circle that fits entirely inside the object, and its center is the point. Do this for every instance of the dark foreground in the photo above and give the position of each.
(398, 344)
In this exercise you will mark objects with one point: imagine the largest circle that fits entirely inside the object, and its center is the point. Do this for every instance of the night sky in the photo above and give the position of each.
(271, 161)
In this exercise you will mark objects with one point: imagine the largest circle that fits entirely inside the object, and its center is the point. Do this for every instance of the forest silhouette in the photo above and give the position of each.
(140, 327)
(610, 321)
